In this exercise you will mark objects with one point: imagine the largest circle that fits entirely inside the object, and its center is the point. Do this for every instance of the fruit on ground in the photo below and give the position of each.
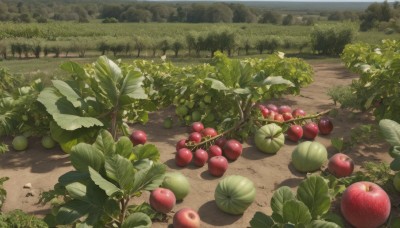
(183, 157)
(310, 130)
(269, 138)
(48, 142)
(279, 118)
(294, 133)
(272, 107)
(168, 123)
(162, 200)
(287, 116)
(214, 150)
(177, 183)
(20, 143)
(234, 194)
(209, 132)
(365, 204)
(298, 113)
(283, 109)
(309, 156)
(196, 127)
(217, 166)
(340, 165)
(186, 218)
(180, 144)
(200, 157)
(232, 149)
(325, 126)
(195, 137)
(138, 137)
(396, 181)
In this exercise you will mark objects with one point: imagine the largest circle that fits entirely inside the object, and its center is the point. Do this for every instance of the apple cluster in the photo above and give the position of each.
(295, 132)
(217, 155)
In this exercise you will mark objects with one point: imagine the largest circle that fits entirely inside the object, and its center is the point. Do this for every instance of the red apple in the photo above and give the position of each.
(365, 204)
(200, 157)
(232, 149)
(162, 200)
(272, 107)
(294, 133)
(195, 137)
(138, 137)
(287, 116)
(265, 112)
(181, 144)
(284, 108)
(325, 125)
(310, 130)
(221, 142)
(183, 157)
(298, 113)
(186, 218)
(340, 165)
(217, 166)
(261, 107)
(214, 150)
(196, 127)
(211, 132)
(279, 118)
(272, 115)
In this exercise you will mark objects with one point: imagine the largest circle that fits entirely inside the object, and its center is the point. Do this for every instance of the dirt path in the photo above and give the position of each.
(42, 168)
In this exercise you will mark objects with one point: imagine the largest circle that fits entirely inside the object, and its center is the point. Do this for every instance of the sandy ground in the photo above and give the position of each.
(42, 168)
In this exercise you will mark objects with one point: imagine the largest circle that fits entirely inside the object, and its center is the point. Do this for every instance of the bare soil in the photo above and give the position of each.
(42, 167)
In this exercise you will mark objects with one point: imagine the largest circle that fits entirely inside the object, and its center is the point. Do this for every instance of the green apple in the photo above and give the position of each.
(168, 123)
(196, 116)
(48, 142)
(20, 143)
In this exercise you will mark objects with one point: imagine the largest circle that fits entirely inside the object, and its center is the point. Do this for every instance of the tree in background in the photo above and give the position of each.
(374, 14)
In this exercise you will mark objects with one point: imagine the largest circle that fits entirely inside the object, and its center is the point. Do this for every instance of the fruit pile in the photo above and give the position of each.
(205, 145)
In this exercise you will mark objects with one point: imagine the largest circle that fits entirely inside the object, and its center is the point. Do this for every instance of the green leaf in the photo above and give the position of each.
(73, 122)
(314, 193)
(277, 80)
(394, 151)
(68, 92)
(337, 143)
(322, 224)
(391, 131)
(216, 84)
(242, 91)
(72, 211)
(132, 85)
(149, 179)
(109, 188)
(147, 151)
(74, 68)
(395, 164)
(77, 190)
(120, 169)
(261, 220)
(137, 220)
(279, 198)
(334, 218)
(296, 212)
(108, 74)
(124, 147)
(105, 142)
(84, 155)
(54, 103)
(73, 176)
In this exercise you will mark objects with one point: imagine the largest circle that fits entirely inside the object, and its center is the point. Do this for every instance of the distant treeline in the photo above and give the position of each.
(377, 15)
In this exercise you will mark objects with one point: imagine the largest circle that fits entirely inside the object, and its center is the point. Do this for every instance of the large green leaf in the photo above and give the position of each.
(68, 92)
(84, 155)
(132, 85)
(261, 220)
(279, 198)
(137, 220)
(216, 84)
(108, 74)
(322, 224)
(149, 179)
(73, 176)
(314, 193)
(72, 211)
(124, 147)
(77, 191)
(105, 142)
(73, 122)
(391, 131)
(147, 151)
(296, 212)
(74, 68)
(55, 103)
(277, 80)
(109, 188)
(120, 169)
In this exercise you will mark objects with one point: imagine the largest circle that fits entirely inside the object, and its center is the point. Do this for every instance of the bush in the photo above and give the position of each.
(331, 40)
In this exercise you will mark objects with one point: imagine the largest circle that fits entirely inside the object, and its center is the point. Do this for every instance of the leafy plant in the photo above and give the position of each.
(3, 192)
(308, 208)
(344, 96)
(18, 218)
(391, 132)
(107, 176)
